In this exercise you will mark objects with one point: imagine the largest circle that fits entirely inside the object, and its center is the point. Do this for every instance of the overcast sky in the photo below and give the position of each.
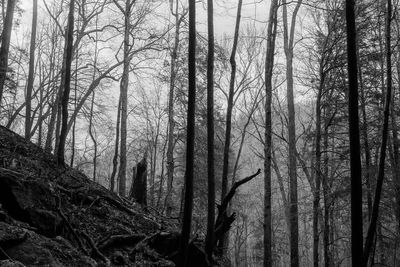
(253, 11)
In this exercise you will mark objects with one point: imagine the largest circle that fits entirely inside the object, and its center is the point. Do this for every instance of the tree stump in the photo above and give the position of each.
(138, 190)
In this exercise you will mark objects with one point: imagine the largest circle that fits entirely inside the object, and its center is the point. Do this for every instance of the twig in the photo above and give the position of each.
(95, 250)
(94, 201)
(71, 229)
(5, 254)
(124, 239)
(145, 240)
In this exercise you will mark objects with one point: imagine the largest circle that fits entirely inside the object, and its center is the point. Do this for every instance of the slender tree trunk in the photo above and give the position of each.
(366, 147)
(162, 178)
(75, 102)
(31, 74)
(326, 191)
(293, 208)
(91, 132)
(395, 165)
(188, 205)
(225, 168)
(317, 170)
(210, 134)
(171, 120)
(396, 155)
(385, 128)
(115, 158)
(50, 128)
(67, 81)
(269, 65)
(154, 165)
(124, 101)
(5, 45)
(93, 137)
(41, 105)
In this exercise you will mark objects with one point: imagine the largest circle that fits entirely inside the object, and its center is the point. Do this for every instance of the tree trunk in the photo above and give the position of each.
(317, 169)
(50, 128)
(75, 102)
(209, 246)
(67, 81)
(225, 168)
(395, 165)
(31, 77)
(188, 205)
(326, 191)
(171, 120)
(124, 101)
(293, 208)
(115, 158)
(91, 133)
(5, 45)
(41, 105)
(93, 137)
(354, 135)
(385, 128)
(269, 64)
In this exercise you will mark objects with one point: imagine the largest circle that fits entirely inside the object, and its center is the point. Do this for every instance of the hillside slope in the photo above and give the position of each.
(52, 216)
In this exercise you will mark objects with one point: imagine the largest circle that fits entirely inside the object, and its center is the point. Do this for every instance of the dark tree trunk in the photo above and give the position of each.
(269, 64)
(5, 45)
(210, 134)
(67, 81)
(91, 133)
(115, 158)
(29, 87)
(188, 205)
(139, 183)
(326, 191)
(75, 102)
(385, 129)
(355, 161)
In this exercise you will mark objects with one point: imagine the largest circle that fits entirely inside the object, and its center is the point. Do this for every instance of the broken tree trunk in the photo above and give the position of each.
(138, 190)
(224, 222)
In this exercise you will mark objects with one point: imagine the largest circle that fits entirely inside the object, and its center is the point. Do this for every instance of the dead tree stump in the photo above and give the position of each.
(138, 190)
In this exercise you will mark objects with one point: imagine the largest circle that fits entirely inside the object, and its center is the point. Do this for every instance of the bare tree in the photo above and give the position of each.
(210, 134)
(188, 205)
(124, 95)
(355, 161)
(385, 129)
(5, 44)
(228, 127)
(171, 120)
(67, 81)
(29, 87)
(269, 63)
(293, 209)
(115, 157)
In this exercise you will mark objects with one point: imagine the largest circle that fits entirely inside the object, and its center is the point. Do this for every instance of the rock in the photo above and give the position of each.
(32, 249)
(10, 235)
(11, 263)
(118, 258)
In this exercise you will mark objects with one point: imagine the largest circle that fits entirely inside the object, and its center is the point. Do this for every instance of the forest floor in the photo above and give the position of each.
(56, 216)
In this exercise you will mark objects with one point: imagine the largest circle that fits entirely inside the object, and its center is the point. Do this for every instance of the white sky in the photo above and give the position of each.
(253, 11)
